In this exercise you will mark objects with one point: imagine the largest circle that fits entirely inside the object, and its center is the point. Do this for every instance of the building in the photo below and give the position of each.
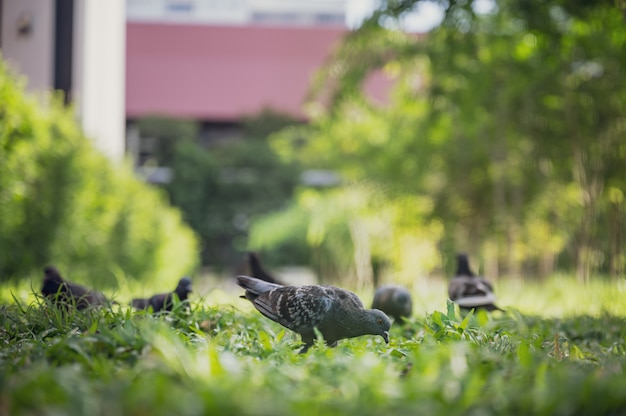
(239, 12)
(78, 47)
(214, 61)
(219, 61)
(222, 73)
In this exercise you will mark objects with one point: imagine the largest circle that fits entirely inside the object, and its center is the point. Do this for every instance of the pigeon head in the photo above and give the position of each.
(378, 323)
(404, 302)
(184, 286)
(52, 281)
(51, 274)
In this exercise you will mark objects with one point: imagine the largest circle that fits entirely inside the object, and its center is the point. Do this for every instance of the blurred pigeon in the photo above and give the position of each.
(62, 292)
(257, 270)
(165, 301)
(394, 300)
(470, 291)
(335, 312)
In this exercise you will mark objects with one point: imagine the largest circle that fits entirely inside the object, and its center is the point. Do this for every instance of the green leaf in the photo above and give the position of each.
(451, 309)
(466, 320)
(524, 355)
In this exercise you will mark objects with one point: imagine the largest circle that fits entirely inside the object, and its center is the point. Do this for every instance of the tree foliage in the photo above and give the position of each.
(507, 126)
(222, 187)
(64, 203)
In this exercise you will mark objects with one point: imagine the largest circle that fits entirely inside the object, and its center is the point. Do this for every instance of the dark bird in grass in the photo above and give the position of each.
(394, 300)
(62, 292)
(165, 301)
(256, 269)
(335, 312)
(470, 291)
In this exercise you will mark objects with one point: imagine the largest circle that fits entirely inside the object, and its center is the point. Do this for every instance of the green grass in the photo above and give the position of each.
(560, 350)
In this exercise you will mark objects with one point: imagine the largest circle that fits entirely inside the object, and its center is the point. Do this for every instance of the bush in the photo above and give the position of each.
(223, 189)
(64, 203)
(223, 186)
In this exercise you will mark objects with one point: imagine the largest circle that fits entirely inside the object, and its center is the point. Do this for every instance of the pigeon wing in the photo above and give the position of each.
(471, 292)
(346, 298)
(484, 285)
(297, 308)
(159, 301)
(462, 286)
(83, 297)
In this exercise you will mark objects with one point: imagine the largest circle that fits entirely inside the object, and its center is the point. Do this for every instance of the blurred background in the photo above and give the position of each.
(347, 142)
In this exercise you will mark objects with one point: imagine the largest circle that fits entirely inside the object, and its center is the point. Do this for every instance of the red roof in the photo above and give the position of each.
(221, 72)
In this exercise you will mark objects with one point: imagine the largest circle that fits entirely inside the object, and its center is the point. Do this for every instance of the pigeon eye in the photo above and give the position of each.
(380, 321)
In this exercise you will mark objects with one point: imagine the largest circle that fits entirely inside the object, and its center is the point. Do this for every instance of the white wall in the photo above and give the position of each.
(99, 62)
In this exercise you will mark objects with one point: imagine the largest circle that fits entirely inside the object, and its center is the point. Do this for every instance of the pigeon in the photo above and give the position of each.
(394, 300)
(335, 312)
(62, 292)
(470, 291)
(164, 301)
(257, 270)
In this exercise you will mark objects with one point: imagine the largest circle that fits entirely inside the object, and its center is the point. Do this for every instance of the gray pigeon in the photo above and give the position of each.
(335, 312)
(394, 300)
(470, 291)
(64, 293)
(165, 301)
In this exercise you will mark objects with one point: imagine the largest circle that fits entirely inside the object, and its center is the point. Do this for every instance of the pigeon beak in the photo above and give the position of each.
(386, 336)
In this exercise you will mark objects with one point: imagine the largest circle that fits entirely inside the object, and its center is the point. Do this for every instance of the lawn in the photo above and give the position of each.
(559, 350)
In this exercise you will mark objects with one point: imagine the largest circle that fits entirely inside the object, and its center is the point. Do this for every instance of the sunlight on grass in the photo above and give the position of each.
(564, 296)
(558, 296)
(560, 349)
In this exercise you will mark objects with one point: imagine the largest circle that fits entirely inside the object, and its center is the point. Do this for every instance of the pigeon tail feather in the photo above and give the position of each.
(255, 286)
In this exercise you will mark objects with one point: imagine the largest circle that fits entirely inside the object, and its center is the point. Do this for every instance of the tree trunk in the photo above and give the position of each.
(616, 238)
(591, 188)
(362, 254)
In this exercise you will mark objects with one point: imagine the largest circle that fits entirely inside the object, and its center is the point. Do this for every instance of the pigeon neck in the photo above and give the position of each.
(365, 324)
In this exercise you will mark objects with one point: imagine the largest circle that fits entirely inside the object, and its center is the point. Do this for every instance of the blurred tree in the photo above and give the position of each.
(64, 203)
(221, 188)
(165, 133)
(508, 126)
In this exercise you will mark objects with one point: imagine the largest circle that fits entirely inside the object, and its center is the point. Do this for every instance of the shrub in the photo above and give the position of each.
(222, 185)
(62, 202)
